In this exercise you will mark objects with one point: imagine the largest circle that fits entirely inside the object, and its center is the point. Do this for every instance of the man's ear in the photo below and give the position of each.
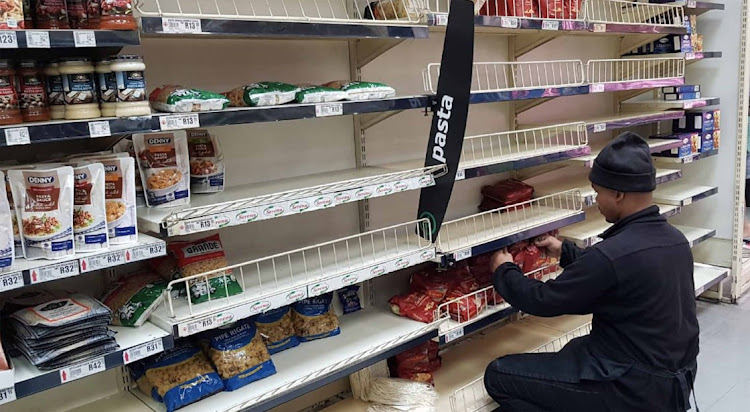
(619, 196)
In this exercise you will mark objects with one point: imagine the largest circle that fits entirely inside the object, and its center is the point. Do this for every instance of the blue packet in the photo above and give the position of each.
(314, 318)
(239, 354)
(350, 299)
(277, 329)
(138, 375)
(186, 361)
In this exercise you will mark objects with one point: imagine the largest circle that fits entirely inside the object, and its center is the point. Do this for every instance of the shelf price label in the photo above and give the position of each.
(692, 4)
(142, 351)
(148, 251)
(7, 395)
(596, 88)
(454, 334)
(441, 20)
(10, 281)
(688, 159)
(82, 370)
(56, 271)
(600, 27)
(99, 129)
(17, 136)
(463, 254)
(84, 38)
(600, 127)
(179, 121)
(551, 25)
(687, 202)
(37, 39)
(461, 174)
(207, 323)
(689, 56)
(8, 39)
(105, 260)
(199, 225)
(329, 109)
(181, 26)
(509, 22)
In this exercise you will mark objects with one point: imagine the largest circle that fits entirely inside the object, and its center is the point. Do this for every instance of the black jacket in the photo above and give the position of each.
(637, 282)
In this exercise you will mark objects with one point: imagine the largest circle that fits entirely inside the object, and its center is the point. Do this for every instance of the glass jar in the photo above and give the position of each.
(9, 111)
(130, 109)
(50, 14)
(55, 91)
(117, 15)
(80, 89)
(131, 81)
(83, 14)
(33, 96)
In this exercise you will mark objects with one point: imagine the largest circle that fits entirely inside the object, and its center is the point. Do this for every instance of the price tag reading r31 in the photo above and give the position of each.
(142, 351)
(179, 121)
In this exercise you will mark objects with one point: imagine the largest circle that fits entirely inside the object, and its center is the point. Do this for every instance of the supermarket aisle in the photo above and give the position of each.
(723, 382)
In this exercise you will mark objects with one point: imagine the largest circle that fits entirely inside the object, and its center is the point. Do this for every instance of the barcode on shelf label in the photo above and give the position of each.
(550, 25)
(597, 88)
(148, 251)
(99, 129)
(17, 136)
(329, 109)
(441, 20)
(7, 395)
(109, 259)
(82, 370)
(454, 334)
(37, 39)
(600, 127)
(688, 159)
(600, 27)
(10, 281)
(8, 40)
(142, 351)
(84, 38)
(509, 22)
(207, 323)
(463, 254)
(692, 4)
(179, 121)
(170, 25)
(461, 174)
(56, 271)
(687, 202)
(200, 225)
(689, 56)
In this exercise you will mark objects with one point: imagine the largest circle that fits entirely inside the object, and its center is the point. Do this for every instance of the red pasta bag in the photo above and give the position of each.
(519, 8)
(559, 9)
(433, 284)
(463, 280)
(465, 307)
(479, 266)
(415, 305)
(505, 193)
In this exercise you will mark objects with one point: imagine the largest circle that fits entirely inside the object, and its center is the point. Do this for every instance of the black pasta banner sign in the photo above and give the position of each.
(450, 109)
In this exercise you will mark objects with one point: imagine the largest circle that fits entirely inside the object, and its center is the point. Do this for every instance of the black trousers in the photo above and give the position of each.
(635, 391)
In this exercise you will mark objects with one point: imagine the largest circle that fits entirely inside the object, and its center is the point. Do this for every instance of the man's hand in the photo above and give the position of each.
(500, 257)
(552, 245)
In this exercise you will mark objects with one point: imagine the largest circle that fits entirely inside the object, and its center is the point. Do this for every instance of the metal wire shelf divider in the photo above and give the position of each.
(495, 147)
(543, 10)
(321, 11)
(177, 216)
(287, 270)
(628, 12)
(491, 77)
(482, 227)
(473, 397)
(639, 69)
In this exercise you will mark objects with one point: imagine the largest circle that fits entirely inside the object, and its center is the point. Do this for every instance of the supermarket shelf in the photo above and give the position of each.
(489, 231)
(700, 7)
(656, 146)
(537, 93)
(59, 130)
(622, 120)
(696, 235)
(682, 194)
(135, 343)
(587, 233)
(367, 336)
(511, 25)
(534, 159)
(249, 203)
(658, 105)
(46, 39)
(209, 27)
(687, 159)
(278, 280)
(705, 277)
(32, 272)
(488, 317)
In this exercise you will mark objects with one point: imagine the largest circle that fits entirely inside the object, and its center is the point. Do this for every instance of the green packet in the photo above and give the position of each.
(178, 99)
(200, 290)
(319, 94)
(262, 94)
(357, 90)
(134, 298)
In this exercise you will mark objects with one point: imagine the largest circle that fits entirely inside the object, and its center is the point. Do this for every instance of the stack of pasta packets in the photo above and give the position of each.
(63, 331)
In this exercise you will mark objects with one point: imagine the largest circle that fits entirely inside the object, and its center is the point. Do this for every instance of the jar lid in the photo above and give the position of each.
(128, 57)
(75, 59)
(29, 63)
(104, 60)
(4, 63)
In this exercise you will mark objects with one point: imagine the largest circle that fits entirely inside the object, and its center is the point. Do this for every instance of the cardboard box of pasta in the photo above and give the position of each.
(703, 121)
(690, 145)
(707, 142)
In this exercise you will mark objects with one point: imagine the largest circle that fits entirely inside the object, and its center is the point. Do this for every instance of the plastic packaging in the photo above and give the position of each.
(90, 208)
(13, 15)
(178, 99)
(319, 94)
(349, 297)
(358, 91)
(314, 318)
(133, 298)
(262, 94)
(202, 256)
(277, 329)
(206, 162)
(7, 246)
(165, 167)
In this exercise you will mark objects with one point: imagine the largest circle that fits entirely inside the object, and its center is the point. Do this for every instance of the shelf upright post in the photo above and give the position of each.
(739, 283)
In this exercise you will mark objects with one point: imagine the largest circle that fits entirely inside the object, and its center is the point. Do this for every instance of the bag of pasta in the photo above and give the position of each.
(277, 329)
(138, 374)
(134, 298)
(239, 354)
(182, 376)
(314, 318)
(201, 256)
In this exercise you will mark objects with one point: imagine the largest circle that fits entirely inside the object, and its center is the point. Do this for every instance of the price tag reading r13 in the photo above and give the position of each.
(170, 25)
(179, 121)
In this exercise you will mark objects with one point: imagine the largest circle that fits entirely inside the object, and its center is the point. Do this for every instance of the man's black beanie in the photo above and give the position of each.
(625, 165)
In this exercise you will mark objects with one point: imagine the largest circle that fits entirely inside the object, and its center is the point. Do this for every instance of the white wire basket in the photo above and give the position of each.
(637, 69)
(491, 77)
(280, 273)
(629, 12)
(541, 9)
(328, 11)
(493, 148)
(494, 224)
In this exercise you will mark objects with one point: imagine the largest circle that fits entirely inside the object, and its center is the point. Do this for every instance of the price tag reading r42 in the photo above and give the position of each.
(179, 121)
(82, 370)
(142, 351)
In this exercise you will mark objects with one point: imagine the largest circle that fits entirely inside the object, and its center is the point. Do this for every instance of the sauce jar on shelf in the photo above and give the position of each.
(80, 89)
(9, 110)
(55, 91)
(83, 14)
(107, 87)
(33, 96)
(132, 99)
(50, 14)
(117, 15)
